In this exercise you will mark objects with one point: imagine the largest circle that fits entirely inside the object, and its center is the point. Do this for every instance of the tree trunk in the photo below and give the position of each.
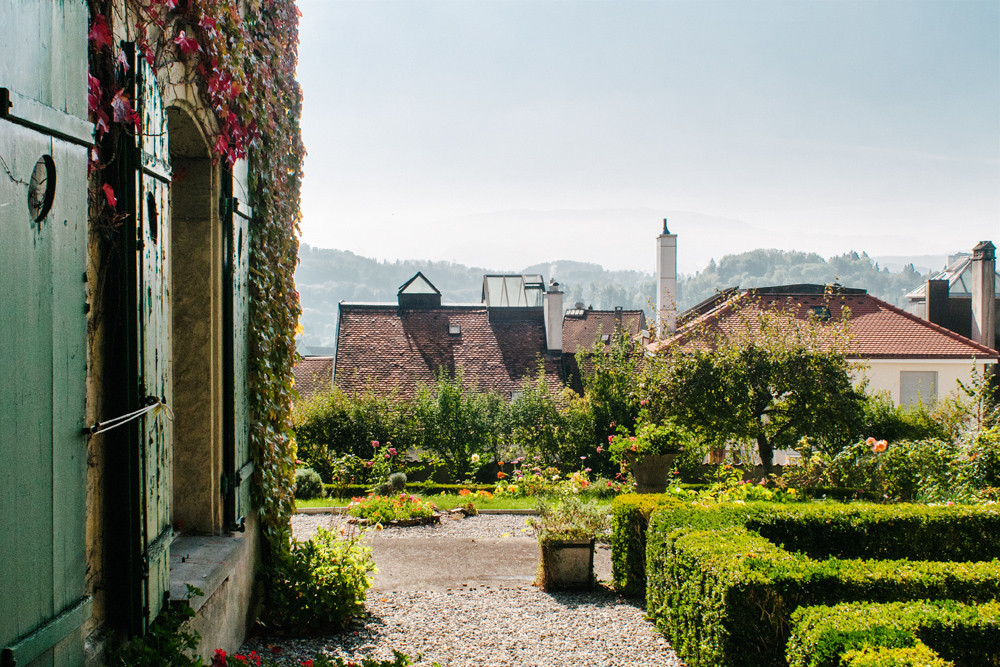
(766, 453)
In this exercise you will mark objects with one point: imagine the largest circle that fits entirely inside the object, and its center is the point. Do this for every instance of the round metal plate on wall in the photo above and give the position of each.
(42, 188)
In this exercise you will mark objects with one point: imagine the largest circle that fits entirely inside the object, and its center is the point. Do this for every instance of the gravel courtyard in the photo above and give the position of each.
(498, 623)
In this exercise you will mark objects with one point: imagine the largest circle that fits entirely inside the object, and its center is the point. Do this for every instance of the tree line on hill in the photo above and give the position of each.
(326, 276)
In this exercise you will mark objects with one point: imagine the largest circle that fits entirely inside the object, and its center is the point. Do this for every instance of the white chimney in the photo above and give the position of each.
(666, 272)
(553, 318)
(984, 311)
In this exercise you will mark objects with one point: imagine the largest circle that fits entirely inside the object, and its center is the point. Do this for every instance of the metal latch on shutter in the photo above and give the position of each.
(40, 640)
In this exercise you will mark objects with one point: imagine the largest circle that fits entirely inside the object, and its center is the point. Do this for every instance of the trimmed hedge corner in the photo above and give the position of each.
(725, 593)
(951, 632)
(629, 520)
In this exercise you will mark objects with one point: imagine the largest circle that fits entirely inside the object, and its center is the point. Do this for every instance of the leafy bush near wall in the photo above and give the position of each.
(967, 634)
(725, 594)
(918, 656)
(321, 584)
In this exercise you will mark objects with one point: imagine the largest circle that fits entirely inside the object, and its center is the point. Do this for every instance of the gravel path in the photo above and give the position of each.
(484, 627)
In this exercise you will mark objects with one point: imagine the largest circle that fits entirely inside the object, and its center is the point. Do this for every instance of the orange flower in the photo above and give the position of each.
(501, 474)
(880, 446)
(464, 492)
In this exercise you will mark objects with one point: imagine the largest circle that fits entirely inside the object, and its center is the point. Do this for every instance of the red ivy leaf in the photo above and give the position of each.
(122, 109)
(109, 192)
(187, 44)
(102, 123)
(93, 93)
(99, 33)
(123, 61)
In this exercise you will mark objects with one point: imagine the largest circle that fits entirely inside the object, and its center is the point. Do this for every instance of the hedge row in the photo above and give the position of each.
(950, 631)
(726, 593)
(629, 520)
(424, 488)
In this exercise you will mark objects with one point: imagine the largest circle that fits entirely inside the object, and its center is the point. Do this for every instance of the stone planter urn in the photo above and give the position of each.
(651, 471)
(567, 564)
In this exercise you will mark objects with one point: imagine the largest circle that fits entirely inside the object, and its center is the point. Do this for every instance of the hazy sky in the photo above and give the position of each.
(506, 133)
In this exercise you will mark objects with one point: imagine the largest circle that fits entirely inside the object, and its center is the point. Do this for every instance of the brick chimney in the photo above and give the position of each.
(553, 318)
(936, 305)
(666, 273)
(984, 312)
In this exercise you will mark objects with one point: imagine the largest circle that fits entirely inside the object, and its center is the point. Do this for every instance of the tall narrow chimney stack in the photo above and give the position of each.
(553, 300)
(984, 312)
(666, 271)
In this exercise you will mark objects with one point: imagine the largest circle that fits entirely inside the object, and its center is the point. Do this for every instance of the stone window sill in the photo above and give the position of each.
(203, 561)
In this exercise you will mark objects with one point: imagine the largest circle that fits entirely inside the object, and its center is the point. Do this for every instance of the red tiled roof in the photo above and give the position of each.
(313, 375)
(389, 348)
(581, 331)
(878, 329)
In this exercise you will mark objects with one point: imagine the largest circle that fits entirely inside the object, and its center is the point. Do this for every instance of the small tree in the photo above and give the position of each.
(760, 376)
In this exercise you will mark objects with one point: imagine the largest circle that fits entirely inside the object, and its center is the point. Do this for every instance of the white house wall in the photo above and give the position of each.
(883, 374)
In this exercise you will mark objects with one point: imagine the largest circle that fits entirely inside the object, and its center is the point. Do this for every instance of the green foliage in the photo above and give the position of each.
(879, 656)
(569, 519)
(725, 593)
(884, 420)
(828, 636)
(610, 384)
(383, 509)
(168, 642)
(308, 484)
(767, 379)
(650, 439)
(398, 660)
(320, 584)
(331, 427)
(629, 520)
(397, 481)
(459, 425)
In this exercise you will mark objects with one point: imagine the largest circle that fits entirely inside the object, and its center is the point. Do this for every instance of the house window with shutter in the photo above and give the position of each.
(916, 387)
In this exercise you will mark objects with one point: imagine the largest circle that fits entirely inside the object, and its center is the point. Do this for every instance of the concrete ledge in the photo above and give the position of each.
(203, 561)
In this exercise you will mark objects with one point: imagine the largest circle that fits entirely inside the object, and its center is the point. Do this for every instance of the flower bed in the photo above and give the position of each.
(725, 592)
(401, 510)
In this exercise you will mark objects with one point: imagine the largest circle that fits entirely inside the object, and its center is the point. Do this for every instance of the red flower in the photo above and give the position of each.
(219, 659)
(308, 663)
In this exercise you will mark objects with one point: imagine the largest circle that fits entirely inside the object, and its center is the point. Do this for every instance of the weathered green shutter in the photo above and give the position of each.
(44, 137)
(153, 273)
(236, 229)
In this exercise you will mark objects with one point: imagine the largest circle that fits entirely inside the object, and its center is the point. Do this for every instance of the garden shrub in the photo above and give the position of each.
(884, 420)
(725, 593)
(308, 484)
(879, 656)
(968, 635)
(321, 584)
(629, 520)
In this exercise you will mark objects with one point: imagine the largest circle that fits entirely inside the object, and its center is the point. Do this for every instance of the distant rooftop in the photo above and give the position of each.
(959, 277)
(513, 291)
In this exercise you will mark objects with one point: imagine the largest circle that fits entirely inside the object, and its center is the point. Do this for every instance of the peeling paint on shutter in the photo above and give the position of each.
(43, 236)
(237, 303)
(153, 182)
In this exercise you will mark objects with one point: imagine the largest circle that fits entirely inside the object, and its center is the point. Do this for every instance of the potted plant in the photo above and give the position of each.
(566, 531)
(650, 452)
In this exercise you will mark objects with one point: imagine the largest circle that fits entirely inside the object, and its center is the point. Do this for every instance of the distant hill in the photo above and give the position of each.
(325, 277)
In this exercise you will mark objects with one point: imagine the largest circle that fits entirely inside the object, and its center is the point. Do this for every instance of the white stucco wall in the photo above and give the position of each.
(883, 374)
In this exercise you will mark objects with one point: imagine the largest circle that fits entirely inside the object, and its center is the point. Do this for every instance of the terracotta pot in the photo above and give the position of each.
(652, 471)
(567, 564)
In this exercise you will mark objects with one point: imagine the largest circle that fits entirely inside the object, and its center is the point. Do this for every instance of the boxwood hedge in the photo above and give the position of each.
(629, 520)
(723, 584)
(964, 634)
